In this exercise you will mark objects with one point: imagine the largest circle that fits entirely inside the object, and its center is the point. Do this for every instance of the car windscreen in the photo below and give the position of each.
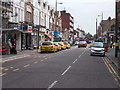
(97, 44)
(82, 42)
(65, 43)
(46, 43)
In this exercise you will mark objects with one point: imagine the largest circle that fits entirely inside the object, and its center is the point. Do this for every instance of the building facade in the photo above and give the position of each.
(67, 26)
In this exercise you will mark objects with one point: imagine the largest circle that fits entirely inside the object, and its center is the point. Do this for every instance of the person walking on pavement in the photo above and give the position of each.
(10, 46)
(14, 51)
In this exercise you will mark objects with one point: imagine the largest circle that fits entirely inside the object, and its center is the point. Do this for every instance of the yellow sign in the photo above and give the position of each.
(102, 34)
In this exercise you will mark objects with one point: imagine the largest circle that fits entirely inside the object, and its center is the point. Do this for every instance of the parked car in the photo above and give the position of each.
(82, 44)
(67, 45)
(58, 46)
(63, 46)
(97, 48)
(48, 46)
(76, 43)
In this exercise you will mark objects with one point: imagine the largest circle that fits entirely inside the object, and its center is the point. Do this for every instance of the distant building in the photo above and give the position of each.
(67, 26)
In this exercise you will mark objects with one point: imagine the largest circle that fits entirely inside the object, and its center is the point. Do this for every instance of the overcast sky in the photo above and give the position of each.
(85, 12)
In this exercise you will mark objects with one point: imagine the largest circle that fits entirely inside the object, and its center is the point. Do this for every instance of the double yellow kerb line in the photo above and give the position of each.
(114, 73)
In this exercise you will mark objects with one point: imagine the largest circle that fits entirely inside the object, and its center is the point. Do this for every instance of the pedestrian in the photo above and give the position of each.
(113, 45)
(10, 46)
(14, 51)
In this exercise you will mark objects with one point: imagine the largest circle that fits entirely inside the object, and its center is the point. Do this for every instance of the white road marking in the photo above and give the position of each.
(42, 60)
(79, 56)
(11, 67)
(75, 61)
(66, 70)
(2, 74)
(16, 69)
(27, 65)
(53, 84)
(6, 69)
(13, 58)
(35, 62)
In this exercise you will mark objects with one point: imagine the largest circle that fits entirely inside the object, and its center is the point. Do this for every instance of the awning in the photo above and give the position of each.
(60, 36)
(49, 36)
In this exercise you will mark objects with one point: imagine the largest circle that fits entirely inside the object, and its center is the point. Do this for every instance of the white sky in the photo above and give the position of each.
(85, 12)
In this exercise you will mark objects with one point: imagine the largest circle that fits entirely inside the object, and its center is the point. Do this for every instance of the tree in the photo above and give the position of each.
(88, 36)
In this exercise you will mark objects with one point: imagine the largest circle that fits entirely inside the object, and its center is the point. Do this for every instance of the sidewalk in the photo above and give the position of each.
(20, 54)
(111, 55)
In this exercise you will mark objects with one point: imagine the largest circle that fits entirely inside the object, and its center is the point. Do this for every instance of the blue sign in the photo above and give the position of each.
(56, 33)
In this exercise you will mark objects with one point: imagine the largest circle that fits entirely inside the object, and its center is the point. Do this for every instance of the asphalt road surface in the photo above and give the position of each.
(71, 68)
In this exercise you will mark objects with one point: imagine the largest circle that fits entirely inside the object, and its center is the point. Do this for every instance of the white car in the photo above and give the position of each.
(97, 48)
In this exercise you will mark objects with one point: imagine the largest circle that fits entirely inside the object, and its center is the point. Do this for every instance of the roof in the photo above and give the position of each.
(104, 22)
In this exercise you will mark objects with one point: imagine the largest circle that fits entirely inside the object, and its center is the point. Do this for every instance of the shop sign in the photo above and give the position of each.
(29, 28)
(56, 33)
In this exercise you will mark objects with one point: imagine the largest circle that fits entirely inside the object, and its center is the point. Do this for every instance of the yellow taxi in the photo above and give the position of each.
(48, 46)
(67, 45)
(63, 46)
(58, 46)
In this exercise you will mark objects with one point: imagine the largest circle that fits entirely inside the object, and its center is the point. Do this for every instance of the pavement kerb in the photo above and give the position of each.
(113, 61)
(21, 54)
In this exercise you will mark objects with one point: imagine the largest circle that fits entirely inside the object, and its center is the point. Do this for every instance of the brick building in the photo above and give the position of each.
(67, 26)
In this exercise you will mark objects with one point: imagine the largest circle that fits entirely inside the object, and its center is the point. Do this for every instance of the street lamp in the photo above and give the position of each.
(97, 27)
(116, 28)
(56, 14)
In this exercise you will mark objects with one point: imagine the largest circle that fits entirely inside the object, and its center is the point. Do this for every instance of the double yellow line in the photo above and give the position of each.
(112, 70)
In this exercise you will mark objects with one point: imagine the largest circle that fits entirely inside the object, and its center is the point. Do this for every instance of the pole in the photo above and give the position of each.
(1, 40)
(102, 28)
(96, 28)
(56, 16)
(38, 30)
(116, 30)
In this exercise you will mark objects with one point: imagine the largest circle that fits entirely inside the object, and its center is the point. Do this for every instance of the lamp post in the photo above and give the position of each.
(96, 28)
(116, 28)
(56, 14)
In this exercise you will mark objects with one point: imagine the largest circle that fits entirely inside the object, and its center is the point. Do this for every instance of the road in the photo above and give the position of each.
(71, 68)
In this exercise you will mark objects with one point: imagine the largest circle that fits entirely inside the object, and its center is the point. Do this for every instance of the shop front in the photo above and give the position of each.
(10, 35)
(48, 37)
(26, 38)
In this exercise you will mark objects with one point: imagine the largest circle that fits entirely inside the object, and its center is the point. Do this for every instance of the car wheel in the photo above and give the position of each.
(91, 54)
(103, 55)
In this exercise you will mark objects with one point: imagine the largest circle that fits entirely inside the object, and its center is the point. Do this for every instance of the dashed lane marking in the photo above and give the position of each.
(66, 70)
(42, 60)
(1, 68)
(11, 67)
(52, 85)
(79, 56)
(6, 69)
(75, 61)
(27, 65)
(16, 69)
(2, 74)
(35, 62)
(13, 58)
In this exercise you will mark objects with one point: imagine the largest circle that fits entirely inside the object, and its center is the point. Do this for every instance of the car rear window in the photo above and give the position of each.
(46, 43)
(97, 44)
(82, 42)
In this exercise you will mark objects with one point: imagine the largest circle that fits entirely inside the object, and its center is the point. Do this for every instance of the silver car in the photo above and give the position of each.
(97, 48)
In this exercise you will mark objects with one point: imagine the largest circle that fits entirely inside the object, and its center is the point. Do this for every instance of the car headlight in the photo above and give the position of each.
(92, 50)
